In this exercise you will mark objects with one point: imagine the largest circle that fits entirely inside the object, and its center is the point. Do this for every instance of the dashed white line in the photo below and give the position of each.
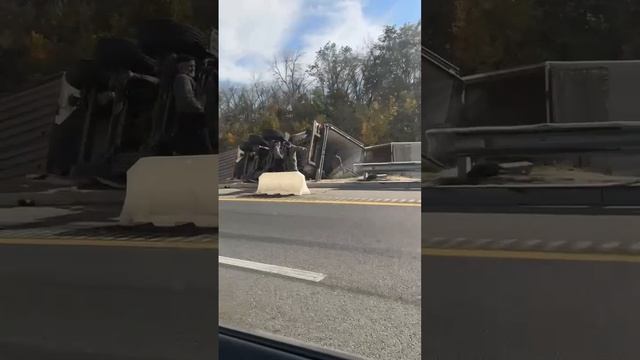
(437, 239)
(482, 242)
(610, 245)
(581, 245)
(456, 241)
(533, 242)
(505, 243)
(555, 244)
(274, 269)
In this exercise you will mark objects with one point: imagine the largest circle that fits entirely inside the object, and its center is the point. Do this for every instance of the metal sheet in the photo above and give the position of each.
(226, 164)
(340, 153)
(602, 90)
(517, 99)
(378, 153)
(447, 144)
(580, 94)
(26, 121)
(405, 151)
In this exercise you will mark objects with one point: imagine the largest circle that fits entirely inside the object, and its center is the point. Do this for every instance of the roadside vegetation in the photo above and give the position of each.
(373, 94)
(42, 37)
(486, 35)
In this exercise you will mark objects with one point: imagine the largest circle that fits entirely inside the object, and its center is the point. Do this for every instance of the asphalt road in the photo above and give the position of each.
(546, 229)
(530, 284)
(63, 301)
(365, 298)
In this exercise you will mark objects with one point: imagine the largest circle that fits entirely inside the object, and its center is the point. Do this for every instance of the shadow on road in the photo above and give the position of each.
(103, 214)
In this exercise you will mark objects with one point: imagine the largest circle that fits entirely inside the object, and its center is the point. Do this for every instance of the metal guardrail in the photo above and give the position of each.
(377, 168)
(465, 144)
(533, 139)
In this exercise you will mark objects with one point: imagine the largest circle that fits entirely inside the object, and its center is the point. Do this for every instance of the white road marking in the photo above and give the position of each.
(533, 242)
(558, 206)
(274, 269)
(90, 223)
(582, 244)
(456, 241)
(610, 245)
(437, 239)
(555, 244)
(482, 242)
(505, 243)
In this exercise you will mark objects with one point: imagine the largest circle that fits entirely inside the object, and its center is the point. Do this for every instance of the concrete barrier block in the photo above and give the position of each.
(169, 191)
(282, 183)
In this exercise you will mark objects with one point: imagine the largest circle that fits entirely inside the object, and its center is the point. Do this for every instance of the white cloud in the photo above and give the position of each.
(346, 25)
(253, 32)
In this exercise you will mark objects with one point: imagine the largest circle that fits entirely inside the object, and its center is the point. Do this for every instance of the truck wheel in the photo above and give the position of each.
(123, 54)
(87, 73)
(160, 37)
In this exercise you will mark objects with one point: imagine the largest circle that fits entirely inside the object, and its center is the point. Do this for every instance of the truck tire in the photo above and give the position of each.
(273, 134)
(123, 54)
(85, 74)
(160, 37)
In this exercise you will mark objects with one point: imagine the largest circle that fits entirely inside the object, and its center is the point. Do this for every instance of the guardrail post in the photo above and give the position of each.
(464, 165)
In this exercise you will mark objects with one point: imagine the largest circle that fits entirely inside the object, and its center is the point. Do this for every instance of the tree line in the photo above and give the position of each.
(374, 94)
(485, 35)
(42, 37)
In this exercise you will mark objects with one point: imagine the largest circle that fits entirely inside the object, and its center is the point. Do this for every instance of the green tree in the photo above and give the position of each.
(493, 34)
(44, 37)
(374, 95)
(376, 122)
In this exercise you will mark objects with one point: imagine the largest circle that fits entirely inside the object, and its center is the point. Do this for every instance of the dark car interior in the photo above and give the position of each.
(241, 345)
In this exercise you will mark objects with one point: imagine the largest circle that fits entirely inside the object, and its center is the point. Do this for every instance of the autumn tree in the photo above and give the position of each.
(40, 38)
(485, 35)
(373, 95)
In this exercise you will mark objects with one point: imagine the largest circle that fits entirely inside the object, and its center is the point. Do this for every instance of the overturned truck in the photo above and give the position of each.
(322, 152)
(119, 106)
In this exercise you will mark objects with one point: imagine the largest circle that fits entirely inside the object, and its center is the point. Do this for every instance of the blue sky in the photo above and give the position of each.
(253, 32)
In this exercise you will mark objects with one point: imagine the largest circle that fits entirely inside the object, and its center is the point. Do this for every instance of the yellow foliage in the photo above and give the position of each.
(270, 121)
(376, 122)
(39, 46)
(230, 138)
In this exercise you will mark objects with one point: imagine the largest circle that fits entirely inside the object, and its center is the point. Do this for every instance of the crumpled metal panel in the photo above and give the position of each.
(26, 121)
(226, 164)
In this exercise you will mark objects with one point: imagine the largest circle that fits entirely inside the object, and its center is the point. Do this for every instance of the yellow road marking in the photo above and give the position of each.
(331, 202)
(107, 243)
(531, 255)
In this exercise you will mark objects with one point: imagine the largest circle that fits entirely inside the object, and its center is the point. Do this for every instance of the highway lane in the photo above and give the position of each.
(368, 193)
(533, 230)
(107, 300)
(368, 299)
(528, 284)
